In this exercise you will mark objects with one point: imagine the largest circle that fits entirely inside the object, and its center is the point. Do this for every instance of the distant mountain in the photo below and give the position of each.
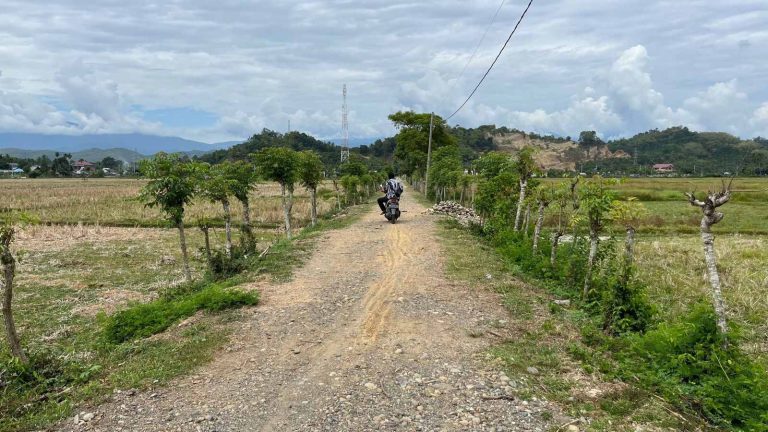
(139, 143)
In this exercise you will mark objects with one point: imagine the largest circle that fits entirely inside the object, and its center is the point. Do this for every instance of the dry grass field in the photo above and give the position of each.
(115, 202)
(674, 271)
(97, 250)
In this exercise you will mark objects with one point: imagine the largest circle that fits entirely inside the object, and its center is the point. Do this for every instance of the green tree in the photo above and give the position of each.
(242, 177)
(589, 139)
(355, 168)
(563, 194)
(368, 183)
(496, 188)
(60, 166)
(281, 165)
(218, 186)
(413, 139)
(111, 163)
(526, 168)
(628, 214)
(492, 164)
(445, 170)
(311, 175)
(172, 185)
(350, 183)
(543, 194)
(596, 201)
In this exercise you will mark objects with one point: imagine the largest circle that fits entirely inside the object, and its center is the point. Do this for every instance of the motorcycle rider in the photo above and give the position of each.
(392, 188)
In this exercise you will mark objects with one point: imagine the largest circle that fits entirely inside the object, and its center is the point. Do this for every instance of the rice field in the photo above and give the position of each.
(96, 250)
(673, 268)
(115, 202)
(670, 213)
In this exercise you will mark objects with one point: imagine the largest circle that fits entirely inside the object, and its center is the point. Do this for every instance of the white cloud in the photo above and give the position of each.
(759, 120)
(261, 64)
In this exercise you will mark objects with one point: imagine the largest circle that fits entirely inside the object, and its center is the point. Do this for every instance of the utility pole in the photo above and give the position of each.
(429, 153)
(344, 128)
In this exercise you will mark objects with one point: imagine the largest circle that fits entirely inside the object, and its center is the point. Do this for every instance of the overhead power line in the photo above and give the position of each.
(474, 53)
(494, 61)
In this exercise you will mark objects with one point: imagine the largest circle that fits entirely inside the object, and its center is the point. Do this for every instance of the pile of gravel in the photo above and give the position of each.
(465, 216)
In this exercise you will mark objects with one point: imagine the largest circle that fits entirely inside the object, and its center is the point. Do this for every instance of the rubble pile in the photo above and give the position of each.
(465, 216)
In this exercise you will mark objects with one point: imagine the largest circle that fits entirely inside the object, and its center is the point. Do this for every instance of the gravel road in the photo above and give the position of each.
(369, 335)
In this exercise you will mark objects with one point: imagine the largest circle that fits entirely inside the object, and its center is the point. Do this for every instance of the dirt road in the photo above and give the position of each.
(369, 335)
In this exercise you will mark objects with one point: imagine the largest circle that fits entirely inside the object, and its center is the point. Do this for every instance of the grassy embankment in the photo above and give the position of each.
(541, 336)
(670, 263)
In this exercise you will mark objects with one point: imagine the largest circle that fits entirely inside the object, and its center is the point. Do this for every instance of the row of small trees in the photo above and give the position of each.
(358, 183)
(692, 360)
(175, 182)
(578, 203)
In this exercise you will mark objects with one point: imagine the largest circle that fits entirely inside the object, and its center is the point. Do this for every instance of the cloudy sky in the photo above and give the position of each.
(222, 70)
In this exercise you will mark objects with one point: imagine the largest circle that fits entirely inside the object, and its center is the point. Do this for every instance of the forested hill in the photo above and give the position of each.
(329, 152)
(712, 153)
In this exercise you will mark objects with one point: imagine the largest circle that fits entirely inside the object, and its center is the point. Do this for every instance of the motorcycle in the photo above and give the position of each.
(393, 209)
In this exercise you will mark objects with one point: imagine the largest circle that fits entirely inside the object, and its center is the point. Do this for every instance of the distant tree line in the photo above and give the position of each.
(58, 166)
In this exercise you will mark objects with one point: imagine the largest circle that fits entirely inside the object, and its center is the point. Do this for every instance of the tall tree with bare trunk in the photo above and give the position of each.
(311, 175)
(544, 195)
(628, 214)
(711, 216)
(172, 185)
(217, 186)
(280, 164)
(526, 168)
(8, 264)
(596, 200)
(561, 196)
(242, 176)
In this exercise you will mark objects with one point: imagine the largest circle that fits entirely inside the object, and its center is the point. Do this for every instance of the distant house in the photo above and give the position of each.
(82, 166)
(664, 168)
(12, 172)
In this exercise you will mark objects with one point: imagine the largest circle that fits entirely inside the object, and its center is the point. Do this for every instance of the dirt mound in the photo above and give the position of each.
(561, 155)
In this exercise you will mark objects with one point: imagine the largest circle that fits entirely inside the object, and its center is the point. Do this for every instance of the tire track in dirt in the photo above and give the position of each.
(377, 303)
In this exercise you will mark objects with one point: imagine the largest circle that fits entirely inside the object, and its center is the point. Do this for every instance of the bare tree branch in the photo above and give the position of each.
(692, 199)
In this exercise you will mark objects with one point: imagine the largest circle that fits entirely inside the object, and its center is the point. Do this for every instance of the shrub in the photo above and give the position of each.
(40, 381)
(687, 363)
(625, 306)
(146, 319)
(221, 266)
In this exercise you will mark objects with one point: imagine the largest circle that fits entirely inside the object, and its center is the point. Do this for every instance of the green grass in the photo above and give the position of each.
(670, 212)
(677, 282)
(547, 337)
(146, 319)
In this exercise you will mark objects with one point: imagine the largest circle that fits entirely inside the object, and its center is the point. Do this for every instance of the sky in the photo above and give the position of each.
(224, 70)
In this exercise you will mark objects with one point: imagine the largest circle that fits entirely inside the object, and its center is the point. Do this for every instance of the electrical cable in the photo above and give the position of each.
(494, 61)
(474, 53)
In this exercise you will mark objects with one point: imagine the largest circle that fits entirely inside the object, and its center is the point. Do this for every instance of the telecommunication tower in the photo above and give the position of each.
(344, 128)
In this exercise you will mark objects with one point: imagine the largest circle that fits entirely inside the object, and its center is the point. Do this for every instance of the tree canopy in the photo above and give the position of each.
(413, 139)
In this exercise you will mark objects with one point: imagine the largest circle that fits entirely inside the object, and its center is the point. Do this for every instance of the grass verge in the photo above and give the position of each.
(545, 336)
